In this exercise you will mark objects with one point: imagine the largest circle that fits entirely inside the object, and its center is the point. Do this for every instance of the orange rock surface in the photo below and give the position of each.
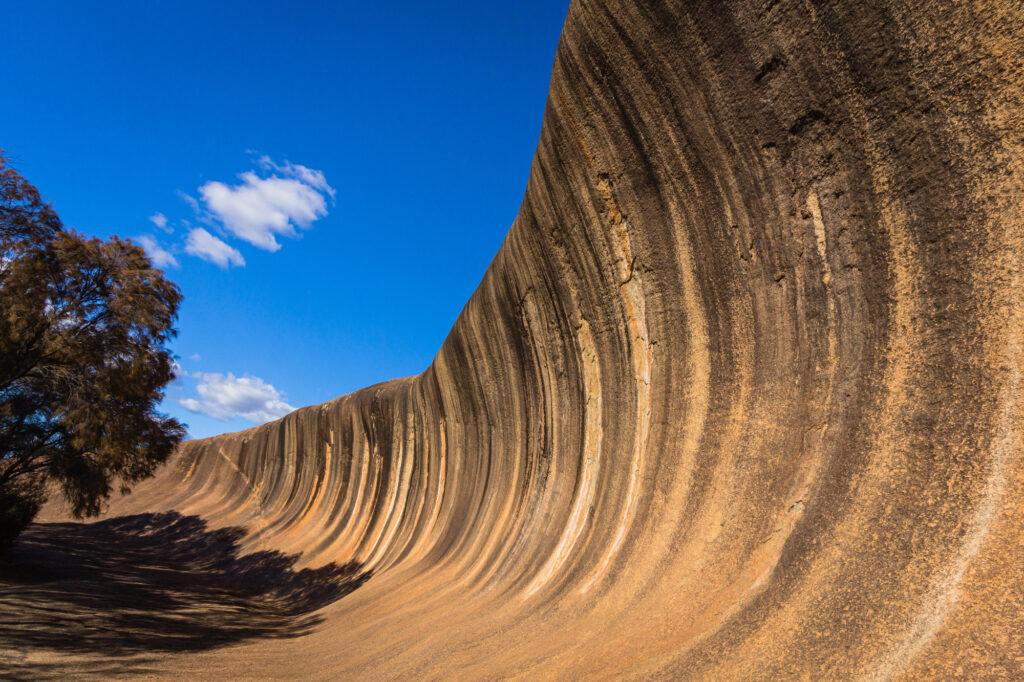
(739, 398)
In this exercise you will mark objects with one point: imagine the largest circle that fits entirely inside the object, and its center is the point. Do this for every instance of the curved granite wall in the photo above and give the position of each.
(739, 397)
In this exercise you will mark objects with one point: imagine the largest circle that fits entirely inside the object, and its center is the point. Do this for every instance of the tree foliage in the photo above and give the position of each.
(84, 325)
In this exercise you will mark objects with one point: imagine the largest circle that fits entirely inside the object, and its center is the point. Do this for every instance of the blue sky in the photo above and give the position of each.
(364, 161)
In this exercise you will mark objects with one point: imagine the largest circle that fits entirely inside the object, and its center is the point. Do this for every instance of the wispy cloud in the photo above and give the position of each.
(227, 396)
(259, 208)
(160, 220)
(204, 245)
(161, 257)
(190, 200)
(309, 176)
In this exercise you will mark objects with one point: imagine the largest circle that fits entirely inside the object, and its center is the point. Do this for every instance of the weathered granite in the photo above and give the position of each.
(739, 397)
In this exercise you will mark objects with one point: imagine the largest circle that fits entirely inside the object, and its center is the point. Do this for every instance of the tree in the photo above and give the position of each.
(84, 325)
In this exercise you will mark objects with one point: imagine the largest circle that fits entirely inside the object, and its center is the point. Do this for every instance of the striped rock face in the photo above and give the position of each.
(739, 398)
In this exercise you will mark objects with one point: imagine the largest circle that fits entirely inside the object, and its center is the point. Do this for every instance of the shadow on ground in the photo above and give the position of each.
(152, 583)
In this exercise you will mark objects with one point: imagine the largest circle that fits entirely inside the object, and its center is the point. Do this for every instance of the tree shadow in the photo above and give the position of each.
(150, 584)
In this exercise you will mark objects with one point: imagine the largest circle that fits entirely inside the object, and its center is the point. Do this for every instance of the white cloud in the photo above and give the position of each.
(313, 178)
(227, 397)
(161, 257)
(204, 245)
(194, 357)
(160, 220)
(258, 208)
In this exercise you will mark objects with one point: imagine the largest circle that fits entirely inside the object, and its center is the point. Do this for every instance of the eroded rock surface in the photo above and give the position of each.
(739, 397)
